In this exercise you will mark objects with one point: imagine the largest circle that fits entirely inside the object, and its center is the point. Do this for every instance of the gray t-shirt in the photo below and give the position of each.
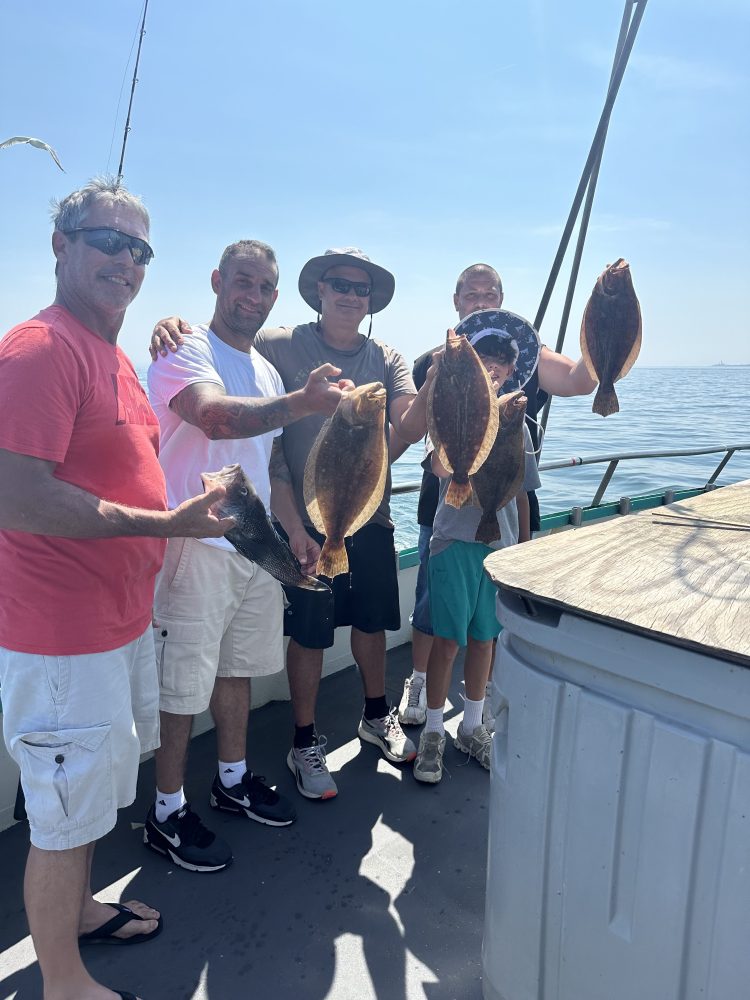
(460, 524)
(294, 353)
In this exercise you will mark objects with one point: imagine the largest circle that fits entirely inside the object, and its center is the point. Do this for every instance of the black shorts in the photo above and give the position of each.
(365, 597)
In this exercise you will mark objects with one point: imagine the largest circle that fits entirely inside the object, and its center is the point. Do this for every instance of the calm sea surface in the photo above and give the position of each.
(661, 409)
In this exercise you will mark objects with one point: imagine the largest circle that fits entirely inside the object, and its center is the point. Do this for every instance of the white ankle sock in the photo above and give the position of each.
(472, 715)
(167, 803)
(419, 675)
(231, 772)
(434, 723)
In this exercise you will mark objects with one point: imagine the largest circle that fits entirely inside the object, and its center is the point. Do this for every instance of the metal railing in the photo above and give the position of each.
(614, 460)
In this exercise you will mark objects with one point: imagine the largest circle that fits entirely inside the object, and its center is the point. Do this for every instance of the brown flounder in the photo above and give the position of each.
(253, 535)
(346, 471)
(462, 415)
(611, 333)
(501, 476)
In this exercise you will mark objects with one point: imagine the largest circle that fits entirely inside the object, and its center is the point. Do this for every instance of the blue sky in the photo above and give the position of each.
(431, 134)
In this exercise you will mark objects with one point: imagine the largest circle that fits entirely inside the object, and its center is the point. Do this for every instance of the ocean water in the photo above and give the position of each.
(661, 409)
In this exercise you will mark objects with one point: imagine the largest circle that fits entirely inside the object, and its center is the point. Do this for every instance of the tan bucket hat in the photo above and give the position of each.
(383, 283)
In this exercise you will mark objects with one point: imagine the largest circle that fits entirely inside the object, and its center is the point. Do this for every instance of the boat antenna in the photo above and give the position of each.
(587, 185)
(132, 92)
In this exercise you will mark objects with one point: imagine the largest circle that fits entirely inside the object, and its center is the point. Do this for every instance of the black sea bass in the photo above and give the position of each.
(345, 473)
(254, 536)
(611, 333)
(462, 415)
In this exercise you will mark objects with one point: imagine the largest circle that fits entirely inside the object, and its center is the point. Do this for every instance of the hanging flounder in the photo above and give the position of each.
(501, 476)
(254, 536)
(346, 471)
(462, 415)
(611, 333)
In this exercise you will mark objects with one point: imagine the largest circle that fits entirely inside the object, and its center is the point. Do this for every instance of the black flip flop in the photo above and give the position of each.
(105, 933)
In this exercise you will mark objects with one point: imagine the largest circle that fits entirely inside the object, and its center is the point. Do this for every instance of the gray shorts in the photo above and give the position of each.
(77, 726)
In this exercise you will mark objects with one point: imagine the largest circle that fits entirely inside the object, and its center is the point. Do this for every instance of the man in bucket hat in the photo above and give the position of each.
(342, 286)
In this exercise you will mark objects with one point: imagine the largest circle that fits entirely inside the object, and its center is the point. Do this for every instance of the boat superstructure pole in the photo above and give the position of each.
(587, 185)
(132, 92)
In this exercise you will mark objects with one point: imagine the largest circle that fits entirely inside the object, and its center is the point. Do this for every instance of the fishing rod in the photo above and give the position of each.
(132, 92)
(587, 184)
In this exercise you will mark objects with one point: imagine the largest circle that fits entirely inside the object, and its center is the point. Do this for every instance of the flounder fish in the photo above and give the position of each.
(345, 473)
(254, 536)
(611, 333)
(501, 475)
(462, 415)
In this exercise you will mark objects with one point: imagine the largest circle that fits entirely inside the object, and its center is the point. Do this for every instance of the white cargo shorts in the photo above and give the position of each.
(216, 614)
(77, 726)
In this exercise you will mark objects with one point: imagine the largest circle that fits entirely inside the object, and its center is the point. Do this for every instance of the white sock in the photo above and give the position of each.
(434, 723)
(472, 715)
(419, 675)
(167, 803)
(231, 772)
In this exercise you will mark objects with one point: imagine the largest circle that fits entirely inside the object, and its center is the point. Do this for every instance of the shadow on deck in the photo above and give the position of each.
(378, 893)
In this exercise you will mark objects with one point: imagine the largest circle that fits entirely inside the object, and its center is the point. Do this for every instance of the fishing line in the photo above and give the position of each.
(542, 432)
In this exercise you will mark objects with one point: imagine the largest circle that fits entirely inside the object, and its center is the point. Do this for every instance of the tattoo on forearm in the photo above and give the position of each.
(232, 418)
(277, 467)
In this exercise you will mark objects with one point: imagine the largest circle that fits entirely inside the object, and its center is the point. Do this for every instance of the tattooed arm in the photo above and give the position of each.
(284, 508)
(220, 417)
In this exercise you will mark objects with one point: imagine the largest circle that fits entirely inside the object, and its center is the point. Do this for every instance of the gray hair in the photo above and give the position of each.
(479, 269)
(71, 212)
(248, 248)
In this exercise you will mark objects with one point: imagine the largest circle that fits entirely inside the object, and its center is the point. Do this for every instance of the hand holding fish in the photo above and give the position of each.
(306, 549)
(168, 336)
(320, 394)
(195, 519)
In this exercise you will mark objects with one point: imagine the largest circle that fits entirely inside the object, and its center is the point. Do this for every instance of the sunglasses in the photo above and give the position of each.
(112, 242)
(343, 287)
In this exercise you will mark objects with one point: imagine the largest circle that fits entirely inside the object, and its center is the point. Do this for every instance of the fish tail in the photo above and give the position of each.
(333, 560)
(459, 493)
(488, 530)
(605, 401)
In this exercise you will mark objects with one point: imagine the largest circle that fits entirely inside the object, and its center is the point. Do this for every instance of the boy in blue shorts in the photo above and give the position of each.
(462, 598)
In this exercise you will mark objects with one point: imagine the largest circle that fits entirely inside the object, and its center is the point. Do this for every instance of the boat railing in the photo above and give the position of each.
(613, 460)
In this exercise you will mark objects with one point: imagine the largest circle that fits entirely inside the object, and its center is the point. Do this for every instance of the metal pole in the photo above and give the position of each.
(132, 92)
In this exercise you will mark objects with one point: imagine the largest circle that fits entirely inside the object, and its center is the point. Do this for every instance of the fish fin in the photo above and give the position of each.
(585, 353)
(375, 499)
(309, 488)
(333, 560)
(605, 401)
(433, 431)
(493, 426)
(458, 494)
(488, 530)
(635, 350)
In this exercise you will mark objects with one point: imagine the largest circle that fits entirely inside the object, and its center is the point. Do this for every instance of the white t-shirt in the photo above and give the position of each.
(185, 451)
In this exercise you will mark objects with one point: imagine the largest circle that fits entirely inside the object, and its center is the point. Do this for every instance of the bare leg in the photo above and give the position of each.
(54, 888)
(171, 756)
(304, 668)
(439, 669)
(95, 914)
(477, 665)
(421, 644)
(368, 649)
(230, 708)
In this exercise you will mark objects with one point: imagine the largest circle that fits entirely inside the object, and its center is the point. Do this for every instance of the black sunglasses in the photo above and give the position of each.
(112, 242)
(343, 287)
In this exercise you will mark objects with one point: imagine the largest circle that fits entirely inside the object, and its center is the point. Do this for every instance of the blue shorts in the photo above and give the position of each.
(462, 596)
(420, 618)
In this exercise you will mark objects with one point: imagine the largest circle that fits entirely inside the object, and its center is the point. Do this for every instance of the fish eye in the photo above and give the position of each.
(243, 491)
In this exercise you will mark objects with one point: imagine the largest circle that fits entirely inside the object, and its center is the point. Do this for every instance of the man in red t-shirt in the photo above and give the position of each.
(83, 523)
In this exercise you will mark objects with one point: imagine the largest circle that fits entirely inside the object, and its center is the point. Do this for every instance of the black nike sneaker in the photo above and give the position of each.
(253, 798)
(183, 838)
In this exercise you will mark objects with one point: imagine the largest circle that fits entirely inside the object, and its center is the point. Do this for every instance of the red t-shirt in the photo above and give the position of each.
(69, 397)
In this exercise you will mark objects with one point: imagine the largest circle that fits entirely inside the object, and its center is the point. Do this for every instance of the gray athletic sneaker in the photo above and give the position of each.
(387, 734)
(478, 745)
(308, 765)
(413, 708)
(428, 765)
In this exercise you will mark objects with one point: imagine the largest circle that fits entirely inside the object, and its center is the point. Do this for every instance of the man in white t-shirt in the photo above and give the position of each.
(218, 617)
